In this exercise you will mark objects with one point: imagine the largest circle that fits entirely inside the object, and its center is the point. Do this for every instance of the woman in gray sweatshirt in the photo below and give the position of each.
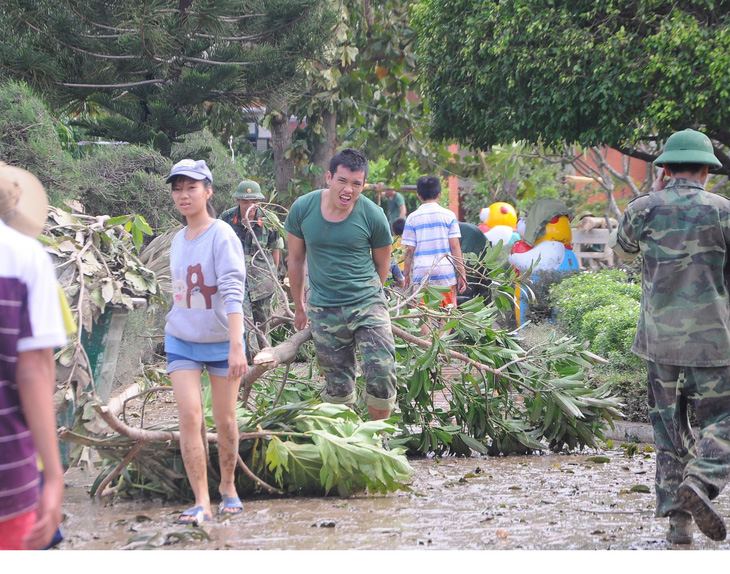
(204, 329)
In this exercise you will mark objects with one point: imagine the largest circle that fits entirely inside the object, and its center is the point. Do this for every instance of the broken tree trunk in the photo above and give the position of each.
(271, 357)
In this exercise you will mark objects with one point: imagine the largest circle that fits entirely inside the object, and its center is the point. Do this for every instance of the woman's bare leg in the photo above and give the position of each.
(186, 386)
(224, 392)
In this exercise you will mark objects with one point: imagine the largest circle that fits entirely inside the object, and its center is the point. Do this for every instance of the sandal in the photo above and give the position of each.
(194, 515)
(230, 505)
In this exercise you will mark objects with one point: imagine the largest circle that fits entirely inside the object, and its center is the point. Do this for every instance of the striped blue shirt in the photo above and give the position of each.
(429, 229)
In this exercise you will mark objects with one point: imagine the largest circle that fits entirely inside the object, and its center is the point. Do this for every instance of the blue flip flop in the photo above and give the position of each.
(194, 515)
(230, 505)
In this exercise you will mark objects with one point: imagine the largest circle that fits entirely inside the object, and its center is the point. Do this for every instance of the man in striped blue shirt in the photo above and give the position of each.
(431, 237)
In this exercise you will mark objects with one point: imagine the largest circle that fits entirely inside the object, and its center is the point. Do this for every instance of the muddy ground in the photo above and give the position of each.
(546, 502)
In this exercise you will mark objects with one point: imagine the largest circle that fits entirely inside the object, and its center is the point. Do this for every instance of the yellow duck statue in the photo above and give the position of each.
(545, 246)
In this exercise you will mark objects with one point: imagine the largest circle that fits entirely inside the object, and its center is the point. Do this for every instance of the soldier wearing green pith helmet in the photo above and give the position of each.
(683, 233)
(262, 251)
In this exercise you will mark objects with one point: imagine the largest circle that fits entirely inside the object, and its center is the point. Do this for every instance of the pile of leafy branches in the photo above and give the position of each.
(97, 266)
(470, 387)
(301, 448)
(504, 399)
(474, 386)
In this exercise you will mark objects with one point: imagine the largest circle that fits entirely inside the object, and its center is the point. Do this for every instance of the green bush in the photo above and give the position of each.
(119, 180)
(602, 308)
(611, 330)
(28, 139)
(124, 179)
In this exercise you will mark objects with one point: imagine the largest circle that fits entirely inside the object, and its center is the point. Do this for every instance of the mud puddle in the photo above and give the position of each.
(556, 502)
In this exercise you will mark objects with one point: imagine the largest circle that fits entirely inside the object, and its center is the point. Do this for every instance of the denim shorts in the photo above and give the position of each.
(189, 356)
(180, 363)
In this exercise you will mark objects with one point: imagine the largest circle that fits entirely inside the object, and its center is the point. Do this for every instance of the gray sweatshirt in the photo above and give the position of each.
(208, 278)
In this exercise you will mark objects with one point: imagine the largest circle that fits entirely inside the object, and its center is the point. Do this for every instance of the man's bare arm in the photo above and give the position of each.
(35, 379)
(297, 262)
(381, 258)
(408, 264)
(455, 247)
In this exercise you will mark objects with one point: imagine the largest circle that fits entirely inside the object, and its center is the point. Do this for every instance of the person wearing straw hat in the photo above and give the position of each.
(31, 326)
(683, 233)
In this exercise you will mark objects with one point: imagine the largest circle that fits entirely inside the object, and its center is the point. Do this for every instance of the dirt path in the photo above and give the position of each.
(519, 502)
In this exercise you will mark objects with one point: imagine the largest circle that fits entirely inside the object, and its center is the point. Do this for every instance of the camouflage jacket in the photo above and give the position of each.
(683, 233)
(259, 282)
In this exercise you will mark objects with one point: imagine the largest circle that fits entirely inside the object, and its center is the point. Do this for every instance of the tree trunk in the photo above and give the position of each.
(280, 142)
(324, 150)
(271, 357)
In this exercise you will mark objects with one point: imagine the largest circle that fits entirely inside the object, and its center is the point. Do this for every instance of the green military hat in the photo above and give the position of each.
(248, 189)
(688, 146)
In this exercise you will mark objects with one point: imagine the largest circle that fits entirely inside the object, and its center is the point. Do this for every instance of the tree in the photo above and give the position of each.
(152, 66)
(363, 92)
(618, 72)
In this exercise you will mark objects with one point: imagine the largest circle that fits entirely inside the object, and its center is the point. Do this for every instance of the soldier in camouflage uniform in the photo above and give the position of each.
(344, 240)
(262, 255)
(683, 233)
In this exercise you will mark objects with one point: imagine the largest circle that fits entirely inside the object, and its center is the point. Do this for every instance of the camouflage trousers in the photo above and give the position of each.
(337, 333)
(258, 312)
(670, 390)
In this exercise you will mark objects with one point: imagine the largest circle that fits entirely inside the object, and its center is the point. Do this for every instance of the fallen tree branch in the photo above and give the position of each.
(144, 436)
(162, 436)
(271, 357)
(481, 366)
(117, 402)
(451, 354)
(247, 471)
(101, 491)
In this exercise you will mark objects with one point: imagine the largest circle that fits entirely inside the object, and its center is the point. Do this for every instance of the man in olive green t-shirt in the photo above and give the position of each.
(396, 205)
(345, 241)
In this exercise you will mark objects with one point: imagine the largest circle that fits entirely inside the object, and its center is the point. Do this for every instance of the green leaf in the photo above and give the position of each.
(98, 298)
(303, 464)
(473, 444)
(141, 224)
(567, 404)
(641, 488)
(598, 459)
(121, 220)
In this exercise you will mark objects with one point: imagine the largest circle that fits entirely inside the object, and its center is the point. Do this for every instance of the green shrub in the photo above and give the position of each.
(131, 179)
(28, 139)
(611, 329)
(124, 179)
(602, 308)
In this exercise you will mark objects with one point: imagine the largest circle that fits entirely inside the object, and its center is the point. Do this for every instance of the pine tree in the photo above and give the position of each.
(149, 68)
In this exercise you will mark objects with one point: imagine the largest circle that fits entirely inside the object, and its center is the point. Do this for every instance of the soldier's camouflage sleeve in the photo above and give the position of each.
(622, 239)
(275, 240)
